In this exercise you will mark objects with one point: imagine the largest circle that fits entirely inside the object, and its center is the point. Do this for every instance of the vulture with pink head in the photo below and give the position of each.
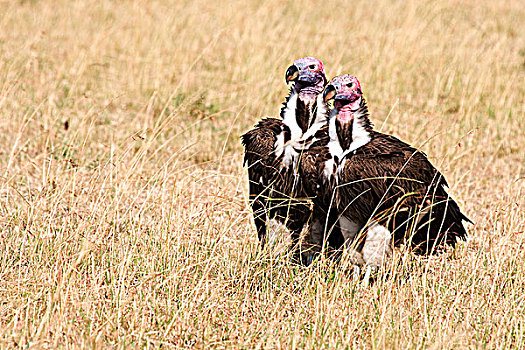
(273, 149)
(383, 191)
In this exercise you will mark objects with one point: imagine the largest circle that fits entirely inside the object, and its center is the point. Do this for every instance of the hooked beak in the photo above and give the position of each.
(291, 74)
(329, 93)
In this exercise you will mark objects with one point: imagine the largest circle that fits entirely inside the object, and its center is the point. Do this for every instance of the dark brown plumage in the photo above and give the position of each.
(393, 182)
(274, 190)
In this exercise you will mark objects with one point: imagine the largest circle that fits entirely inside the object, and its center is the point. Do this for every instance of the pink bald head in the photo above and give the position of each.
(308, 74)
(347, 92)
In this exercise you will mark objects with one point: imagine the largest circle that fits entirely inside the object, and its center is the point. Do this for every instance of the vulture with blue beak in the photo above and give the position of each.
(273, 149)
(383, 191)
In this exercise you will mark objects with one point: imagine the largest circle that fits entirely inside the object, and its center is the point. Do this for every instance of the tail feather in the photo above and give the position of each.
(442, 226)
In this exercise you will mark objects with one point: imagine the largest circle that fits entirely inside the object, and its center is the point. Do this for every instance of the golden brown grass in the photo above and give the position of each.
(123, 210)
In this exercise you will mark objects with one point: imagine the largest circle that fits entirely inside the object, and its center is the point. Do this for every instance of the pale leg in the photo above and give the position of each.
(377, 247)
(350, 230)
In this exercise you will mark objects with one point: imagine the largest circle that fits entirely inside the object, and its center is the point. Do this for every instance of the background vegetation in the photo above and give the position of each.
(123, 202)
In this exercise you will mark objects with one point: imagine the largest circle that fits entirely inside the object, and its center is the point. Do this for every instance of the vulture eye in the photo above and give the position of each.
(350, 84)
(312, 66)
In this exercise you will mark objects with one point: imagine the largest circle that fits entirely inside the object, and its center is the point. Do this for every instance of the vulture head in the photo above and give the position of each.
(347, 94)
(350, 112)
(308, 75)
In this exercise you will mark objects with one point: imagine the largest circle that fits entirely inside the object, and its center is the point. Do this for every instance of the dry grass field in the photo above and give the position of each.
(124, 217)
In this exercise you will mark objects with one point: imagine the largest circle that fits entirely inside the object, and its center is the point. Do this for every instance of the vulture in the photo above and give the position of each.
(273, 149)
(384, 192)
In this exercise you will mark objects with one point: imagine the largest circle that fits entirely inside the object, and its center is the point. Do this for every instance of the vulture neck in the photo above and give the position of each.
(346, 137)
(304, 114)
